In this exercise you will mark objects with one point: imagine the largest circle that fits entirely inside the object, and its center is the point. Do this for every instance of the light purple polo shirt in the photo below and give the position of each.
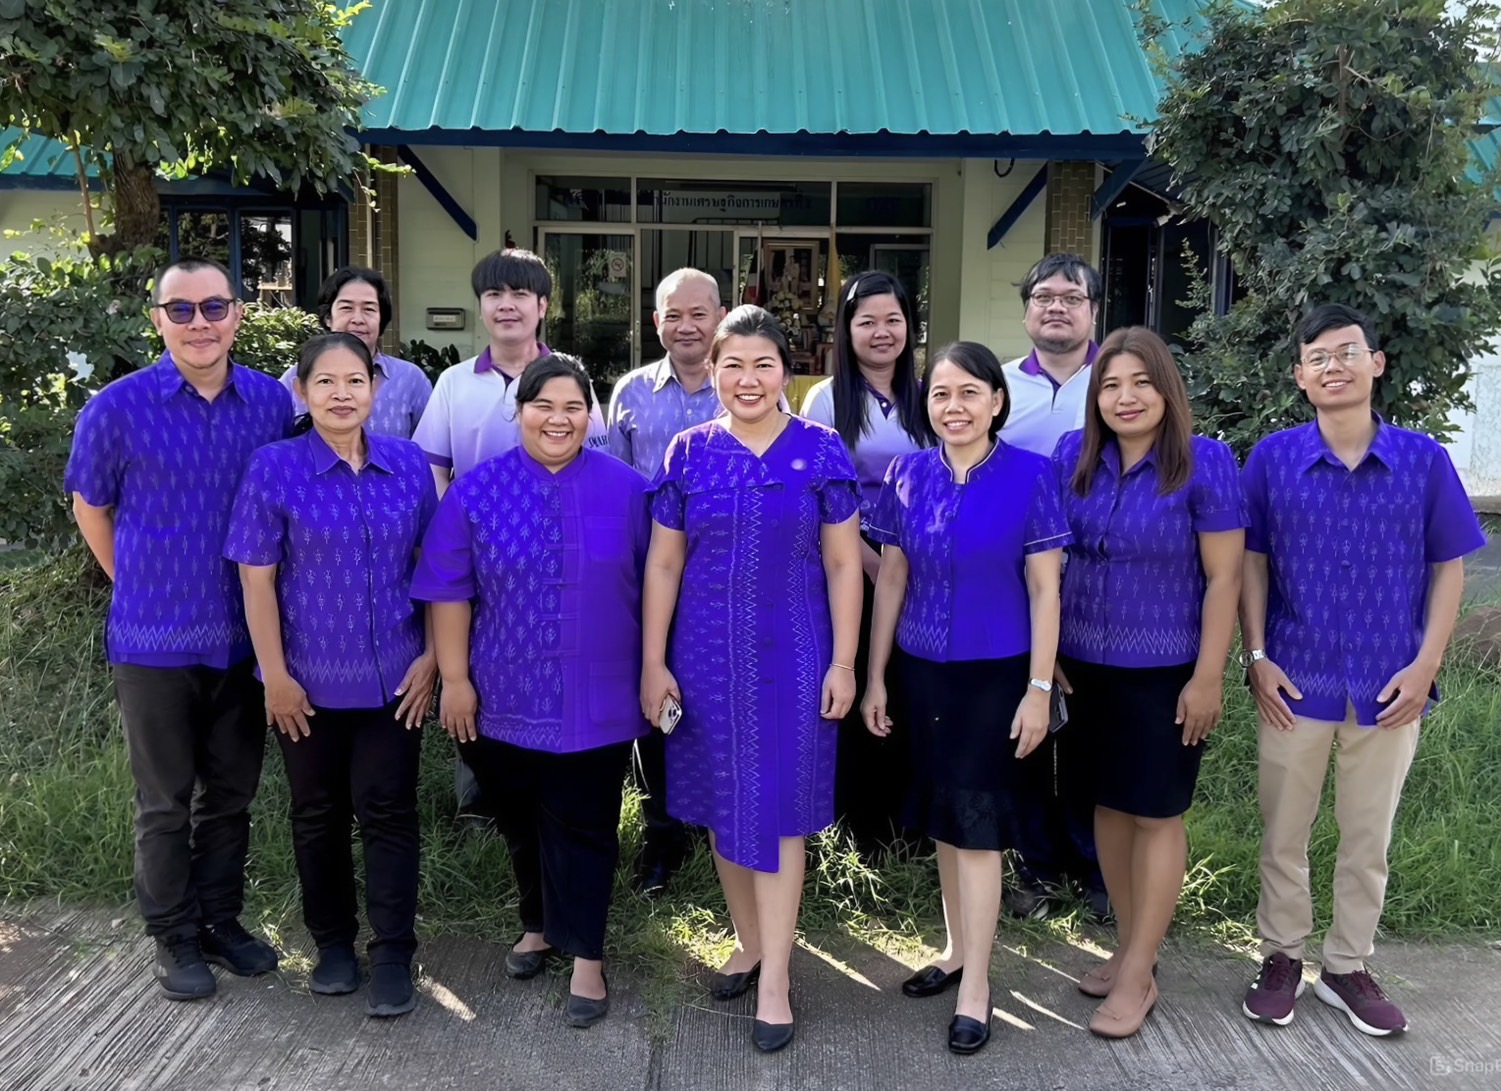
(1133, 591)
(1348, 554)
(966, 548)
(400, 398)
(472, 416)
(1041, 409)
(345, 546)
(648, 407)
(883, 440)
(169, 462)
(553, 562)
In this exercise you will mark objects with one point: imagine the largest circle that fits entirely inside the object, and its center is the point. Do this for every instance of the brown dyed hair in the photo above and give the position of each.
(748, 320)
(1174, 435)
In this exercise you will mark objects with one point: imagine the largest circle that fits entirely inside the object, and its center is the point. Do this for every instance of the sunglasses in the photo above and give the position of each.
(180, 312)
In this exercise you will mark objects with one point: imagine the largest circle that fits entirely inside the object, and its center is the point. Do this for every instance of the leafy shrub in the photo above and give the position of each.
(432, 359)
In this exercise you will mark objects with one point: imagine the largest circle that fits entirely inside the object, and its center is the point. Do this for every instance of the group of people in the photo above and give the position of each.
(989, 604)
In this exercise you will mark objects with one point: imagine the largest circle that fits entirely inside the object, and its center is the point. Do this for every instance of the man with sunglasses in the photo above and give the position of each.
(156, 461)
(1353, 574)
(1054, 838)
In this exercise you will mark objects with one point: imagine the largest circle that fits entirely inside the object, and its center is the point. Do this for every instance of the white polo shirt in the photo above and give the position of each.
(1041, 410)
(472, 416)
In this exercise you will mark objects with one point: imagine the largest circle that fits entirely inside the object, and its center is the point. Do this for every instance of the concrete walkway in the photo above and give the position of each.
(78, 1010)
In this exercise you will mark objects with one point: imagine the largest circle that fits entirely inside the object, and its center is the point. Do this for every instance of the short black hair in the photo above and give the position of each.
(1334, 316)
(518, 270)
(329, 291)
(189, 265)
(980, 362)
(555, 365)
(1073, 267)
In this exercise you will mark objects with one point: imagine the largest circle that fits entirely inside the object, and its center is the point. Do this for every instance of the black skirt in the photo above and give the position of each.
(1138, 763)
(962, 756)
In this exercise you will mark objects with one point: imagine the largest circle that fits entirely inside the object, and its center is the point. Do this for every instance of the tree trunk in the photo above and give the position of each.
(137, 210)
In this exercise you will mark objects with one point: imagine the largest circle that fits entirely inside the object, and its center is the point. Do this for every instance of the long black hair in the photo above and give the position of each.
(308, 355)
(851, 410)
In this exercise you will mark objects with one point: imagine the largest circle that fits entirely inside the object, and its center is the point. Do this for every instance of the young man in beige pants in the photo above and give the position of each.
(1353, 574)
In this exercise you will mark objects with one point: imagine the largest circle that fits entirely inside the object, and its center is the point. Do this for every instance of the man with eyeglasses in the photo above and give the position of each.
(156, 460)
(1353, 574)
(1055, 814)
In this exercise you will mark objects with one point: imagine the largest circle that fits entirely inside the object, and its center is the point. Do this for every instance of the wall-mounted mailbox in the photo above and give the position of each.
(445, 318)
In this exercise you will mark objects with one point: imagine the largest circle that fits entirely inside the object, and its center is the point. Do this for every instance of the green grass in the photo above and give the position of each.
(65, 821)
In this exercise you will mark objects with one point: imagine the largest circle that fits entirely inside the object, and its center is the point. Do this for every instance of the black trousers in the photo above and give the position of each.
(665, 837)
(357, 764)
(1054, 813)
(870, 773)
(560, 815)
(195, 737)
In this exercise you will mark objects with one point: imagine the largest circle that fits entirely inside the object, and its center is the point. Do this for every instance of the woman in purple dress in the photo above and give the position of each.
(324, 530)
(755, 570)
(533, 566)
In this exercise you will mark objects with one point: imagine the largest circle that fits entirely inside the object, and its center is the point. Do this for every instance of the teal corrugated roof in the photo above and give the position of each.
(43, 161)
(663, 67)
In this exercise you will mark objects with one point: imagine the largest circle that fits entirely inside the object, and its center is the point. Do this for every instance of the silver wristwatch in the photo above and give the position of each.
(1042, 684)
(1253, 655)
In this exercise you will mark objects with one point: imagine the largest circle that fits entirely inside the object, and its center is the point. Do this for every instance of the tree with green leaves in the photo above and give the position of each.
(258, 88)
(1328, 142)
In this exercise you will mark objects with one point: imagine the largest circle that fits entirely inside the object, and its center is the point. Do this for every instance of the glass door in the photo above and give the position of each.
(591, 314)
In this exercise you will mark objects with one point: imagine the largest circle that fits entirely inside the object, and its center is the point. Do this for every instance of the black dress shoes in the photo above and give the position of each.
(524, 965)
(930, 981)
(584, 1012)
(770, 1037)
(968, 1035)
(729, 986)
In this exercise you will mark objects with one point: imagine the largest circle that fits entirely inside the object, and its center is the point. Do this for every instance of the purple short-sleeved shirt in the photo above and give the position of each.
(648, 407)
(1348, 555)
(169, 462)
(1133, 592)
(554, 563)
(966, 548)
(400, 398)
(345, 545)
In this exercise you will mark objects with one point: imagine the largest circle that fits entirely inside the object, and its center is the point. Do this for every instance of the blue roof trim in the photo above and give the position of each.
(1023, 200)
(445, 199)
(1114, 186)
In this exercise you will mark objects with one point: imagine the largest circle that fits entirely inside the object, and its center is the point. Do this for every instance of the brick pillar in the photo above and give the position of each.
(385, 250)
(1069, 228)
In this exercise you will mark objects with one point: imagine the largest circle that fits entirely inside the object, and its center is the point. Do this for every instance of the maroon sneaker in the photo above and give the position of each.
(1270, 999)
(1359, 997)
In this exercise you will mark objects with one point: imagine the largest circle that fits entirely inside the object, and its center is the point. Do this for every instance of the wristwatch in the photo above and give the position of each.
(1042, 684)
(1253, 655)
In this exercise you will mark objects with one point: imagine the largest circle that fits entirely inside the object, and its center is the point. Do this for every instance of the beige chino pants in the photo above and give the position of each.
(1370, 766)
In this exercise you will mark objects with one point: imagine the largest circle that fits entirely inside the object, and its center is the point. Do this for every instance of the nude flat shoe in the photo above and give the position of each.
(1123, 1023)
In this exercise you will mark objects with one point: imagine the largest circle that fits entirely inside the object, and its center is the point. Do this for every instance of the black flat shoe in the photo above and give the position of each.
(729, 986)
(770, 1037)
(930, 981)
(584, 1012)
(391, 991)
(968, 1035)
(524, 965)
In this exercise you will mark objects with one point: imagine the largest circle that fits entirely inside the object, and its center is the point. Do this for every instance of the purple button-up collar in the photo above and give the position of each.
(1348, 557)
(1031, 365)
(966, 548)
(648, 407)
(168, 461)
(344, 543)
(1133, 592)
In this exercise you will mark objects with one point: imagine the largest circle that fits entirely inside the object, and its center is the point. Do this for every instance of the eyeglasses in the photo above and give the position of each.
(180, 312)
(1073, 300)
(1318, 360)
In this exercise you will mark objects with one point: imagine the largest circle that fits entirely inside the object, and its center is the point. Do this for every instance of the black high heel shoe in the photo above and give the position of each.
(968, 1035)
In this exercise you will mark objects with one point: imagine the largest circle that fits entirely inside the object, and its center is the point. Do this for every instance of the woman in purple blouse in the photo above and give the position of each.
(972, 535)
(1149, 602)
(874, 401)
(533, 568)
(755, 570)
(325, 530)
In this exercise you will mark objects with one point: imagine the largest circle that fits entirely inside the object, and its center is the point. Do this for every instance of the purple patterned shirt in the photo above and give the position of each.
(168, 461)
(648, 407)
(399, 399)
(966, 546)
(1348, 554)
(1133, 591)
(345, 544)
(554, 562)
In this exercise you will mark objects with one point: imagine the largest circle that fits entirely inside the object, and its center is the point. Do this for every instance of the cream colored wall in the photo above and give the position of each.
(19, 208)
(990, 309)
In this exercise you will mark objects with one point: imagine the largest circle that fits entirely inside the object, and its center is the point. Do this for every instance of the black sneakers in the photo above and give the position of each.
(181, 971)
(391, 991)
(337, 972)
(228, 944)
